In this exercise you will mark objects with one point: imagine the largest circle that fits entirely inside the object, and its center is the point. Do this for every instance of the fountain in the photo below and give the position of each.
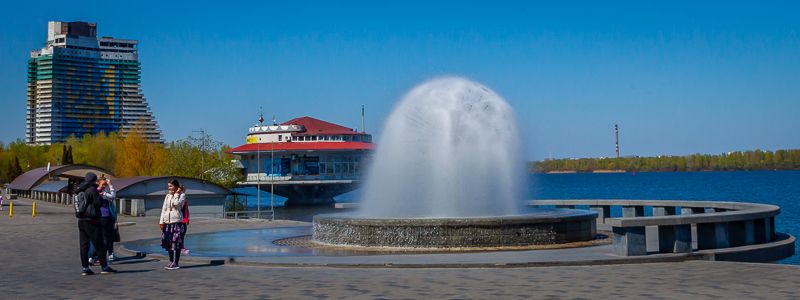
(447, 174)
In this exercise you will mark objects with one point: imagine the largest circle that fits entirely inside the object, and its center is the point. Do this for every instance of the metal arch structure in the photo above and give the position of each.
(34, 177)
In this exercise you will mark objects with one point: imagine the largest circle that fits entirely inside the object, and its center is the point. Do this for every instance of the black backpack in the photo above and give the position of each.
(83, 209)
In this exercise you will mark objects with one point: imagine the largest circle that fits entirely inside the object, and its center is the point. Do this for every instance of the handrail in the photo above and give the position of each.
(638, 202)
(236, 214)
(738, 211)
(729, 224)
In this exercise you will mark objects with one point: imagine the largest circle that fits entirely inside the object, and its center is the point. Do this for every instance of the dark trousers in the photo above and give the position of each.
(89, 231)
(107, 232)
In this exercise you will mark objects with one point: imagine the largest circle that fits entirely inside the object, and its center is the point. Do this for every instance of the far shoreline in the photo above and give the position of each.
(653, 171)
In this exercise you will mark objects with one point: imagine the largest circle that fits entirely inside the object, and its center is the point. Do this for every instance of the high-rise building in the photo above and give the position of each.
(80, 84)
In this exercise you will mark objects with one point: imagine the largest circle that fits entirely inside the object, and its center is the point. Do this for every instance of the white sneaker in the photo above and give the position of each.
(112, 257)
(91, 261)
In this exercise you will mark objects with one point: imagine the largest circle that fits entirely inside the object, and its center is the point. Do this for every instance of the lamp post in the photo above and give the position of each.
(272, 181)
(258, 162)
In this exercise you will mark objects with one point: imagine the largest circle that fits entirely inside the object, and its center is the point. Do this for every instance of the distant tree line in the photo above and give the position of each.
(732, 161)
(129, 155)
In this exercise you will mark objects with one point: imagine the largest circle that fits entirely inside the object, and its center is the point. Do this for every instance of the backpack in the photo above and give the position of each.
(83, 209)
(185, 211)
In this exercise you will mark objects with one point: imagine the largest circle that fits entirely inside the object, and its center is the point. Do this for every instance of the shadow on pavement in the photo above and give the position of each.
(212, 264)
(132, 261)
(133, 271)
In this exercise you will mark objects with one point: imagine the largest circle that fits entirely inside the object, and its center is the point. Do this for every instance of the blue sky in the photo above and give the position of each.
(678, 77)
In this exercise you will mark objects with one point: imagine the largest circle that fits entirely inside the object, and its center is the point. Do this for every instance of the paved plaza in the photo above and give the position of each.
(39, 259)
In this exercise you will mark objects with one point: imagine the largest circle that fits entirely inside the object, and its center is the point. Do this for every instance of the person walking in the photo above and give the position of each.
(185, 214)
(89, 227)
(108, 218)
(172, 226)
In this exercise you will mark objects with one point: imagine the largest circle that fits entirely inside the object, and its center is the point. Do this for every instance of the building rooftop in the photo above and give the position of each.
(36, 176)
(316, 126)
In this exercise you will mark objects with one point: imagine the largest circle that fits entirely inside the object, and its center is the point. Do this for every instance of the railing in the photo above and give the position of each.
(250, 214)
(266, 178)
(718, 224)
(60, 198)
(136, 207)
(349, 176)
(253, 177)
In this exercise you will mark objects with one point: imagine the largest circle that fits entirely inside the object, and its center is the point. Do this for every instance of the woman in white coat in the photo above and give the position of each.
(172, 226)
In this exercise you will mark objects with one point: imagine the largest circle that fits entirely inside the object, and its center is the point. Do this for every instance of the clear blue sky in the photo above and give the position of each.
(679, 77)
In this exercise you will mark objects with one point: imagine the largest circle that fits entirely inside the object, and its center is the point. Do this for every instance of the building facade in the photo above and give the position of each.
(307, 160)
(80, 84)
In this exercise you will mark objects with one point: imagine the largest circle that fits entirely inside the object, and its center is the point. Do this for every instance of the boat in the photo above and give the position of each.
(309, 161)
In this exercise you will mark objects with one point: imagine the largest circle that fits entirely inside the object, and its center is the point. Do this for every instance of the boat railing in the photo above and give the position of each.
(264, 177)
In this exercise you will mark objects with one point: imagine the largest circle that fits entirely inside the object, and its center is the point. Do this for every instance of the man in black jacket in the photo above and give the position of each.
(89, 228)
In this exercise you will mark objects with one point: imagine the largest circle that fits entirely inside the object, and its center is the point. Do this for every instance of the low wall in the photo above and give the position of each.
(711, 224)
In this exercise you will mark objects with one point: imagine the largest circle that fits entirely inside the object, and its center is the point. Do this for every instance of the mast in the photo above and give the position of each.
(616, 138)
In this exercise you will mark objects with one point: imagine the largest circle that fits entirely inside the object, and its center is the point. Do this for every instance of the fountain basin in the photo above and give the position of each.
(543, 227)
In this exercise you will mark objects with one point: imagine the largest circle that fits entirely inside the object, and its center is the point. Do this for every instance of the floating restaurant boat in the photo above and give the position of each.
(306, 160)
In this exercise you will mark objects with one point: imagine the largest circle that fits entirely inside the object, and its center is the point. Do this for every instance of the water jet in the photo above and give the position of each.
(447, 174)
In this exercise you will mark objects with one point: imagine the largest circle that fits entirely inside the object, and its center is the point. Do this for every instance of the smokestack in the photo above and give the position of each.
(616, 137)
(363, 129)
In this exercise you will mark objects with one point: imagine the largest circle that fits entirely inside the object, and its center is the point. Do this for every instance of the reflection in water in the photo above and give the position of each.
(241, 243)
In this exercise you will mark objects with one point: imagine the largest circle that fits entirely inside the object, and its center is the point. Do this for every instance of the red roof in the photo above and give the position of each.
(317, 126)
(299, 146)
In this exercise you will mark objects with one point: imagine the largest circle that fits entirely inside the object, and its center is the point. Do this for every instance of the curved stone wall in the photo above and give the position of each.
(718, 224)
(549, 227)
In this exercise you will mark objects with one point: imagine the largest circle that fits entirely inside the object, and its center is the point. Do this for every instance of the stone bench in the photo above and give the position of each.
(719, 224)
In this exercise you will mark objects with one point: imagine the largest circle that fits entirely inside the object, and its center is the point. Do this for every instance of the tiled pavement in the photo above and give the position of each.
(39, 259)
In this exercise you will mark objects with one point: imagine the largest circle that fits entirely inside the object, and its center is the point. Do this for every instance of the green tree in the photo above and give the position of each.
(15, 168)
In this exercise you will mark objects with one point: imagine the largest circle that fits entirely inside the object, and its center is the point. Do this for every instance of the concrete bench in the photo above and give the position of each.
(719, 224)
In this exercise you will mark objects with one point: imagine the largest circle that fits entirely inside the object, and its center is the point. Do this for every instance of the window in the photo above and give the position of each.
(280, 138)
